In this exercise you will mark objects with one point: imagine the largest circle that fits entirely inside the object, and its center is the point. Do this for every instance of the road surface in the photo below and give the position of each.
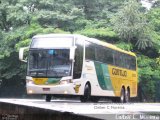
(101, 110)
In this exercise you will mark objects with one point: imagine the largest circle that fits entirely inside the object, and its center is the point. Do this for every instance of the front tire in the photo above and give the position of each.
(87, 94)
(48, 98)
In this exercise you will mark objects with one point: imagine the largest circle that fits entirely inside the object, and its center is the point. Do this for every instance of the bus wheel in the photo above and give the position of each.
(122, 97)
(127, 96)
(87, 94)
(48, 98)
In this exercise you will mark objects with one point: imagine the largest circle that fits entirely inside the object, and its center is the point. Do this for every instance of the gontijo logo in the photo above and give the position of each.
(119, 72)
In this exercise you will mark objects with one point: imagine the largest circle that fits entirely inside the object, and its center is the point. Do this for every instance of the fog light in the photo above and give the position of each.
(65, 92)
(30, 91)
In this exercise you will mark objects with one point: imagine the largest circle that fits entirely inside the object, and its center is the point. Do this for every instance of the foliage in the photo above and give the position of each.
(124, 46)
(148, 76)
(158, 61)
(131, 25)
(105, 34)
(12, 15)
(154, 18)
(156, 4)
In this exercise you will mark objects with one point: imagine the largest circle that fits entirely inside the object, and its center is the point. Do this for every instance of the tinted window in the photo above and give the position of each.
(133, 63)
(106, 55)
(49, 63)
(78, 60)
(90, 50)
(116, 58)
(124, 60)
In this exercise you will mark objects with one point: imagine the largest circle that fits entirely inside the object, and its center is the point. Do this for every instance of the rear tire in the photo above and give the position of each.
(122, 96)
(48, 98)
(87, 94)
(127, 96)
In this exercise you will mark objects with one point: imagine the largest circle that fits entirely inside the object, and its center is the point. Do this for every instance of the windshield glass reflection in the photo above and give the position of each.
(49, 63)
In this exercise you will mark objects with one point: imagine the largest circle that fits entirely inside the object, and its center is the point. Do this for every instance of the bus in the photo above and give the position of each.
(76, 65)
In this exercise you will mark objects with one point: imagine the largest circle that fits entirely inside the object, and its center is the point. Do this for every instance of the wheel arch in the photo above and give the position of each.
(88, 82)
(123, 87)
(128, 88)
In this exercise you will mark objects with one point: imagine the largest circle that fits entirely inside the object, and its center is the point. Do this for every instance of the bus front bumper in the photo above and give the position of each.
(52, 89)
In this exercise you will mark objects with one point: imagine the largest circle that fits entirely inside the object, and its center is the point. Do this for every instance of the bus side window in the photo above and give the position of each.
(116, 58)
(109, 56)
(133, 63)
(124, 61)
(127, 63)
(77, 69)
(130, 62)
(90, 50)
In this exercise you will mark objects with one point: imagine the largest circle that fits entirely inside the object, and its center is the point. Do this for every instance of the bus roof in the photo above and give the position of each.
(57, 35)
(105, 44)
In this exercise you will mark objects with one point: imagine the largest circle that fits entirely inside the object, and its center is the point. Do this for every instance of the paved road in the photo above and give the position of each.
(101, 110)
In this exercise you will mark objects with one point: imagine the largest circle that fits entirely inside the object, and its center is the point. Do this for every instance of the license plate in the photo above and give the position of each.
(46, 89)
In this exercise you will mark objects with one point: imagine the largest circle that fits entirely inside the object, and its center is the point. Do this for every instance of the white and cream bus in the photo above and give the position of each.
(69, 64)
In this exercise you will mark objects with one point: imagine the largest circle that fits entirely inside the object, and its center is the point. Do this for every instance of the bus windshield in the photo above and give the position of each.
(49, 63)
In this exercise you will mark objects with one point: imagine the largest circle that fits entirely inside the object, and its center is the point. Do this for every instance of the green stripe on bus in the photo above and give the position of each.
(53, 80)
(103, 76)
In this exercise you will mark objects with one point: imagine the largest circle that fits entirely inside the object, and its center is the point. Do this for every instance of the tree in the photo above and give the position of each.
(156, 4)
(12, 15)
(98, 9)
(154, 18)
(132, 26)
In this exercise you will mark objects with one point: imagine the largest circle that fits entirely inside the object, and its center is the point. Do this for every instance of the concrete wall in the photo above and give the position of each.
(10, 111)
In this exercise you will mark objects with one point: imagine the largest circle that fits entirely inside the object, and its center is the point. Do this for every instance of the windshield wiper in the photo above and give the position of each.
(52, 71)
(37, 70)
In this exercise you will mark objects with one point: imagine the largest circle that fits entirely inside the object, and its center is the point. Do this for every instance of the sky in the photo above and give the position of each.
(147, 4)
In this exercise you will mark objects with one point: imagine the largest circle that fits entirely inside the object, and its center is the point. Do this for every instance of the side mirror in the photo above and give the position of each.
(72, 53)
(21, 54)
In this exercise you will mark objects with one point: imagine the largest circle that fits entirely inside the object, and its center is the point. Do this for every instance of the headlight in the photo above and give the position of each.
(30, 91)
(29, 81)
(65, 81)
